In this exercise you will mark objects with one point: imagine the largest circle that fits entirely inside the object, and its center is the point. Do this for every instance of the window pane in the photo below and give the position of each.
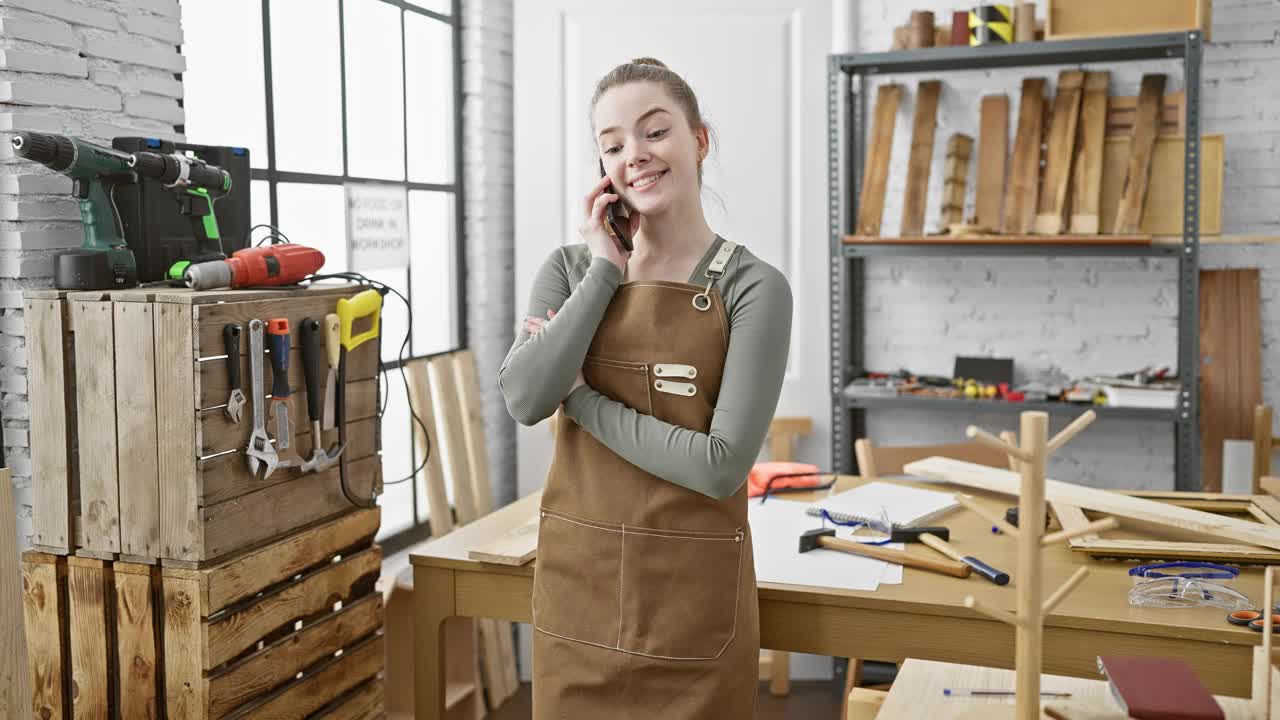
(375, 91)
(223, 91)
(429, 100)
(395, 315)
(259, 206)
(315, 215)
(433, 262)
(306, 84)
(444, 7)
(396, 500)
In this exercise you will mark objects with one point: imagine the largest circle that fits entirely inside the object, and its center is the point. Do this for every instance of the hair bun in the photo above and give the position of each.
(648, 61)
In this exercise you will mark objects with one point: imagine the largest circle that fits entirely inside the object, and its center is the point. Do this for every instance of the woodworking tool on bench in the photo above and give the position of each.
(367, 304)
(271, 265)
(321, 459)
(278, 345)
(332, 350)
(260, 453)
(826, 538)
(231, 345)
(946, 548)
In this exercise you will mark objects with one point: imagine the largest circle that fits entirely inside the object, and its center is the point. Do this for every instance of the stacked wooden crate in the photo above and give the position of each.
(166, 578)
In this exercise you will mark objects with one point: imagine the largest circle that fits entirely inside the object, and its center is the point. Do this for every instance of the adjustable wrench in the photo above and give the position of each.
(260, 451)
(321, 458)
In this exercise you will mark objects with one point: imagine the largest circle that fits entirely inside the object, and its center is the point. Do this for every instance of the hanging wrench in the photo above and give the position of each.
(260, 451)
(231, 344)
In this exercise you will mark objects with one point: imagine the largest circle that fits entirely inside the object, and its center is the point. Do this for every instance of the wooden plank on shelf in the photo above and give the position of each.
(93, 662)
(1086, 172)
(875, 176)
(993, 154)
(276, 663)
(1230, 363)
(135, 368)
(180, 527)
(955, 178)
(1122, 110)
(1122, 506)
(1137, 173)
(51, 383)
(347, 580)
(1163, 208)
(48, 651)
(366, 702)
(321, 686)
(923, 126)
(186, 692)
(1052, 203)
(1019, 239)
(1068, 19)
(1024, 172)
(96, 425)
(138, 652)
(15, 687)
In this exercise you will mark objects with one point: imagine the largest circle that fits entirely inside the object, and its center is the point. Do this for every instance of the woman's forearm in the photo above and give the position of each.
(540, 369)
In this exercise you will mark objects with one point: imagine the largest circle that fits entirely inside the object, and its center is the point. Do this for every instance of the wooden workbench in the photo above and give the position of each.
(922, 618)
(917, 693)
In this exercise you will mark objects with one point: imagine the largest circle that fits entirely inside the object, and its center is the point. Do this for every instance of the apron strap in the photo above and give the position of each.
(714, 271)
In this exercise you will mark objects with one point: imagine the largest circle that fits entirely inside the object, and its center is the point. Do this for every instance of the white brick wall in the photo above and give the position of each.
(488, 137)
(1076, 315)
(90, 68)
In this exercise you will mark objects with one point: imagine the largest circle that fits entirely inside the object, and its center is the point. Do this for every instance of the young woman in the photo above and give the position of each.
(667, 363)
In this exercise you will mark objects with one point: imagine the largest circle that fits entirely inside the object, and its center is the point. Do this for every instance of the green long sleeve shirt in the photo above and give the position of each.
(538, 371)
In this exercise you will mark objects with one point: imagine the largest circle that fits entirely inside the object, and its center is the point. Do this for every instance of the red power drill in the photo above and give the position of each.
(282, 264)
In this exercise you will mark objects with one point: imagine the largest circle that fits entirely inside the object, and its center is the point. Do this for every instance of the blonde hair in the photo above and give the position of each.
(647, 69)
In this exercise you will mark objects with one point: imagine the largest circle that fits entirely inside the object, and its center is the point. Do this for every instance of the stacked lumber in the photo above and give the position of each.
(1084, 167)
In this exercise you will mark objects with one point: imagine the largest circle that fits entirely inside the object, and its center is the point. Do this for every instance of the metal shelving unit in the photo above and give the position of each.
(847, 88)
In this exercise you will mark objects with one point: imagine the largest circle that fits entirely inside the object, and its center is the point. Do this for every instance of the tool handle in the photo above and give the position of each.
(332, 338)
(231, 345)
(945, 567)
(364, 304)
(941, 546)
(996, 576)
(278, 346)
(311, 366)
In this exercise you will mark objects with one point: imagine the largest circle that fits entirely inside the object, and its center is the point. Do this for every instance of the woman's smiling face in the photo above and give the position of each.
(649, 151)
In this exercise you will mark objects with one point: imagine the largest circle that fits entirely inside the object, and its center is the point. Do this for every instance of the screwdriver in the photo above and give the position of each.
(278, 346)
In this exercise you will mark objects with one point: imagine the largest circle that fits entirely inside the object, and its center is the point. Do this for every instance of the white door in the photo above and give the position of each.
(758, 68)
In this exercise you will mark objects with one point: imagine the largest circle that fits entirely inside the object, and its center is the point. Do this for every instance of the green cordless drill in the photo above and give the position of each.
(196, 185)
(104, 262)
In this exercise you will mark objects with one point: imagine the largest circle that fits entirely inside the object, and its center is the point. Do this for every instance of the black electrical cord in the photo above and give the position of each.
(276, 236)
(383, 289)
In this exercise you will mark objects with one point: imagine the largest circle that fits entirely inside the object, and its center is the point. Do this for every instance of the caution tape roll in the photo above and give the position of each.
(990, 25)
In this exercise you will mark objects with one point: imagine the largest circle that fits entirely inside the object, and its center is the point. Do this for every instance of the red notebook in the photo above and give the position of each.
(1152, 688)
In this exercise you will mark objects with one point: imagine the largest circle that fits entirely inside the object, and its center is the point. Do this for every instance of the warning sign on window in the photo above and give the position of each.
(377, 226)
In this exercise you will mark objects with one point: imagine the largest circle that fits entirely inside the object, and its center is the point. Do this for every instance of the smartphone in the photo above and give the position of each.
(618, 217)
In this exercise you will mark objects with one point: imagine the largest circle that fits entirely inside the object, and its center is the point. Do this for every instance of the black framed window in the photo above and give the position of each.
(329, 92)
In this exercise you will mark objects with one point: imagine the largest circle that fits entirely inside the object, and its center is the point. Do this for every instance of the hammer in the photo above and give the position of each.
(826, 537)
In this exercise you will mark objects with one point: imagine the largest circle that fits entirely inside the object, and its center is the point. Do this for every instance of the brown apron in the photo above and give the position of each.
(644, 601)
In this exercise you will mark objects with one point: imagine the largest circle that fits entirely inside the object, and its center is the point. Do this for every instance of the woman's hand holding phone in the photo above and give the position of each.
(594, 229)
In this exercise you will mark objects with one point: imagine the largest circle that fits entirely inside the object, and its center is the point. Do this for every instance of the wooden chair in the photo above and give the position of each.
(1263, 445)
(775, 665)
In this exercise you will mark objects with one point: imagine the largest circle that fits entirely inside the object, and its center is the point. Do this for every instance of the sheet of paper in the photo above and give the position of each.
(776, 527)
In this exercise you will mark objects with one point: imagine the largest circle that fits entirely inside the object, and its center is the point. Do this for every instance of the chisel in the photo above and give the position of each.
(983, 569)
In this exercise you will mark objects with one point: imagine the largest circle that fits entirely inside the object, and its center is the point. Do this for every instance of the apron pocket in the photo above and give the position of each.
(620, 380)
(576, 579)
(679, 592)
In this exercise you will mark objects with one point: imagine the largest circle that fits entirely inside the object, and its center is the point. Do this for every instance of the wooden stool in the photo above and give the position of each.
(775, 665)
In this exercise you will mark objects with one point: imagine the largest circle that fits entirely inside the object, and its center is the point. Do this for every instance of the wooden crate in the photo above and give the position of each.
(151, 382)
(257, 636)
(1068, 19)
